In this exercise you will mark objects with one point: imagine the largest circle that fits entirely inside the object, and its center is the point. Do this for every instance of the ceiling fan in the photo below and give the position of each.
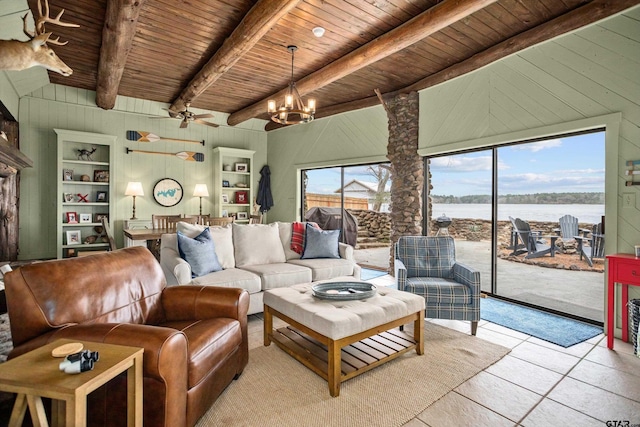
(187, 116)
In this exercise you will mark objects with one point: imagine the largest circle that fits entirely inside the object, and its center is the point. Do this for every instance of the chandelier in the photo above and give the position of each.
(293, 110)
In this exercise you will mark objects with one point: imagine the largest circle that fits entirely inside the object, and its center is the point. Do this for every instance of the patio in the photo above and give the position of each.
(579, 293)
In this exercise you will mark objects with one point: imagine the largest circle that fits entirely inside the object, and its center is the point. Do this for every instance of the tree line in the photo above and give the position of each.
(527, 199)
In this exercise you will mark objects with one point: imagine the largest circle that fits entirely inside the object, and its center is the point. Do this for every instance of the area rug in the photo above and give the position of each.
(546, 326)
(368, 274)
(275, 389)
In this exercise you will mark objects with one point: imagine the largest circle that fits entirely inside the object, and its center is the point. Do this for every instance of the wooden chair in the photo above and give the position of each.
(532, 240)
(595, 250)
(220, 221)
(199, 219)
(107, 232)
(569, 228)
(255, 219)
(164, 221)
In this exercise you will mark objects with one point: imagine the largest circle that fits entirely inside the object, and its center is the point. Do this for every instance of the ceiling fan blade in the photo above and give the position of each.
(203, 122)
(183, 123)
(163, 118)
(202, 116)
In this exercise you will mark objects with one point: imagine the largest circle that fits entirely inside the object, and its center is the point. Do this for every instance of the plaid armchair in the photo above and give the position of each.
(427, 266)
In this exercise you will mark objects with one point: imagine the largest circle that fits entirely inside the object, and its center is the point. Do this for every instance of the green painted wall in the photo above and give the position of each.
(581, 79)
(8, 95)
(63, 107)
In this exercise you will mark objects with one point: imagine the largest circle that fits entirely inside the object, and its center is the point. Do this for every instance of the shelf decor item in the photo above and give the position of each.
(101, 196)
(85, 218)
(98, 217)
(67, 174)
(242, 197)
(241, 167)
(225, 198)
(225, 183)
(72, 217)
(242, 215)
(101, 176)
(167, 192)
(73, 237)
(68, 197)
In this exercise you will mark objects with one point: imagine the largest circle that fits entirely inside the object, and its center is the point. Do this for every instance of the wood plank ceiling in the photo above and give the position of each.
(174, 39)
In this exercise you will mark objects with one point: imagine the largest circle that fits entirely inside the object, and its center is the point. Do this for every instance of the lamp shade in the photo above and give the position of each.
(201, 191)
(134, 189)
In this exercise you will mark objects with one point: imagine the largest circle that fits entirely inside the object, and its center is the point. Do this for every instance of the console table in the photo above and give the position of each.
(623, 269)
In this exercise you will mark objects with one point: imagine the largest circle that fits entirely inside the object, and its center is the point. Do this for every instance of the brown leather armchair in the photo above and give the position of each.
(194, 337)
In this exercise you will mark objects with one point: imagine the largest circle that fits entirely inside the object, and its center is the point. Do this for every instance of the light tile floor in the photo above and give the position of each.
(537, 384)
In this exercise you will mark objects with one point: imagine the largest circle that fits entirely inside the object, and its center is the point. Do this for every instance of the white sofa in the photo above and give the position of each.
(255, 257)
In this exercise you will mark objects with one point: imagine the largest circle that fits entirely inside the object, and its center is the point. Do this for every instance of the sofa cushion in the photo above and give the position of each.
(222, 240)
(280, 274)
(326, 268)
(285, 229)
(231, 278)
(257, 244)
(320, 243)
(199, 252)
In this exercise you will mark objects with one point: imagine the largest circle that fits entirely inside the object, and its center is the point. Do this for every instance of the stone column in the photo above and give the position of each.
(407, 174)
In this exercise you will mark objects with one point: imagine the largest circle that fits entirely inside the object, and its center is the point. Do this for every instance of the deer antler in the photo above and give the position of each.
(43, 19)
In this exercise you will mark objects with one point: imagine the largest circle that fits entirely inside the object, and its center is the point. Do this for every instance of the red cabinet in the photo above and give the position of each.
(623, 269)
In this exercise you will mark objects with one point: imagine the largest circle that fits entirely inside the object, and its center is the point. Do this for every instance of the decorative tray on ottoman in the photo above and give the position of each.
(343, 291)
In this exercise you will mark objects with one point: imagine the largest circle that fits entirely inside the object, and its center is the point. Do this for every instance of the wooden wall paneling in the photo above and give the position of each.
(9, 197)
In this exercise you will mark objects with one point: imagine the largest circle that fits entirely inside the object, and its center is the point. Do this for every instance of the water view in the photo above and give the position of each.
(591, 214)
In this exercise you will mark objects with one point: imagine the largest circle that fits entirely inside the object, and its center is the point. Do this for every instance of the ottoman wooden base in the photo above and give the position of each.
(339, 360)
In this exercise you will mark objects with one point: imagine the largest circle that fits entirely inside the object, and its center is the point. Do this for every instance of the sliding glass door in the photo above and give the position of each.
(460, 189)
(508, 206)
(354, 199)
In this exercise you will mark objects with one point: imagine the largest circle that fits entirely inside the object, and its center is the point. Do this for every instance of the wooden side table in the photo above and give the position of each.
(623, 269)
(36, 374)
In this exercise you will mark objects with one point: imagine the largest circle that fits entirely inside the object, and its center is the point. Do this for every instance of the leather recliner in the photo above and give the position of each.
(194, 337)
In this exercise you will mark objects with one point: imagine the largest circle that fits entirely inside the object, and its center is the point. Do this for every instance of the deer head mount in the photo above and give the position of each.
(19, 55)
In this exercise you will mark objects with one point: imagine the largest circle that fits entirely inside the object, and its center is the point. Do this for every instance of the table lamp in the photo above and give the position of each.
(201, 191)
(134, 189)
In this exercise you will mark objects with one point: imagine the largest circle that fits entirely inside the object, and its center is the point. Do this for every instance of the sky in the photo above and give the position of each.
(568, 164)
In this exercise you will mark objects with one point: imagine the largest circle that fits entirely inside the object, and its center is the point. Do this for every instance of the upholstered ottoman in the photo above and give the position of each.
(341, 339)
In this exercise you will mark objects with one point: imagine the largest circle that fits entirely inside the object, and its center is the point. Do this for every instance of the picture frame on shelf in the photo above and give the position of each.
(225, 198)
(225, 183)
(73, 237)
(67, 174)
(224, 213)
(72, 217)
(98, 217)
(242, 215)
(242, 167)
(101, 197)
(68, 197)
(85, 218)
(101, 176)
(242, 197)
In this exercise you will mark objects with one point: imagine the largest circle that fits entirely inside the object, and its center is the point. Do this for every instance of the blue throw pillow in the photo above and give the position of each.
(199, 252)
(320, 243)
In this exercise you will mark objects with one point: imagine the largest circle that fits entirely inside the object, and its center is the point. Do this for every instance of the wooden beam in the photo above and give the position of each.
(13, 157)
(120, 21)
(256, 23)
(577, 18)
(412, 31)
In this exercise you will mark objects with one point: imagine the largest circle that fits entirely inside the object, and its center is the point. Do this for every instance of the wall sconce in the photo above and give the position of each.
(134, 189)
(201, 191)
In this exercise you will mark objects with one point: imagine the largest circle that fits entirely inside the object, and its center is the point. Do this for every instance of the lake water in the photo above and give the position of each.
(585, 213)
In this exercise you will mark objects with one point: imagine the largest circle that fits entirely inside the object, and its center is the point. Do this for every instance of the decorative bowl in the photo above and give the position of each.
(344, 291)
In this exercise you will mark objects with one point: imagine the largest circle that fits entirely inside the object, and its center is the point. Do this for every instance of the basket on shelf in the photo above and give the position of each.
(634, 322)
